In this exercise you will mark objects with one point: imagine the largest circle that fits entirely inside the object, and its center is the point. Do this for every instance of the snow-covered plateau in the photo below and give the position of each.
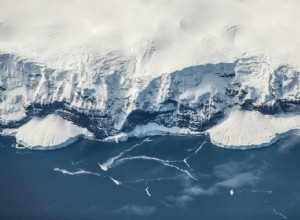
(114, 70)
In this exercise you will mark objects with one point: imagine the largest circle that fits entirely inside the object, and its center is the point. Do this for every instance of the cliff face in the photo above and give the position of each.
(110, 94)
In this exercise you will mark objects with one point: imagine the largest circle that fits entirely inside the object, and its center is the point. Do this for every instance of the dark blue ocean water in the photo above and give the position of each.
(155, 178)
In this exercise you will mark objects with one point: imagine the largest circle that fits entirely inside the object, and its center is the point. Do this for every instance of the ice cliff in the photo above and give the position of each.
(104, 96)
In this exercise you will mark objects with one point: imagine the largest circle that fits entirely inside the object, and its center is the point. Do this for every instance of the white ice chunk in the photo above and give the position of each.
(115, 181)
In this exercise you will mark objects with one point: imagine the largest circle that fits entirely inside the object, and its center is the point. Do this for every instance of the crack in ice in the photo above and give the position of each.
(187, 164)
(115, 181)
(79, 172)
(267, 191)
(119, 159)
(108, 164)
(147, 181)
(185, 160)
(164, 162)
(280, 214)
(84, 172)
(200, 147)
(147, 189)
(150, 180)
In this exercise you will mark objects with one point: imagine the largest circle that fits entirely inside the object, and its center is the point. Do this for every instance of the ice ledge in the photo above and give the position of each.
(51, 132)
(151, 129)
(251, 129)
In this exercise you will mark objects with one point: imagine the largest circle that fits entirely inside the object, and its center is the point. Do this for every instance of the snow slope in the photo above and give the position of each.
(50, 132)
(246, 129)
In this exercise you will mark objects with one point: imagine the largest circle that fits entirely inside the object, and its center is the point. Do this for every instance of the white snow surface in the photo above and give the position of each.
(249, 129)
(184, 33)
(50, 132)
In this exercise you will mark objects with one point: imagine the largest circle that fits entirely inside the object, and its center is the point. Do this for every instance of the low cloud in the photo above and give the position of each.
(197, 190)
(180, 200)
(231, 168)
(232, 174)
(240, 180)
(235, 174)
(136, 210)
(189, 193)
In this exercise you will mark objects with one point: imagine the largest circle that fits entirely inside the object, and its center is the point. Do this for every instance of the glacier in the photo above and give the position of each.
(116, 75)
(51, 132)
(251, 129)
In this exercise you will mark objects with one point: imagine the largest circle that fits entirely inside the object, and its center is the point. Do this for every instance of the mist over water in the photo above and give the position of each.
(150, 178)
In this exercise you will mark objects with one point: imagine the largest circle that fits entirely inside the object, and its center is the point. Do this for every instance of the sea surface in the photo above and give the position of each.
(151, 178)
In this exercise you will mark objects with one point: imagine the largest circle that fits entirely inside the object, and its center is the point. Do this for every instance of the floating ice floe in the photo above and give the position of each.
(115, 181)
